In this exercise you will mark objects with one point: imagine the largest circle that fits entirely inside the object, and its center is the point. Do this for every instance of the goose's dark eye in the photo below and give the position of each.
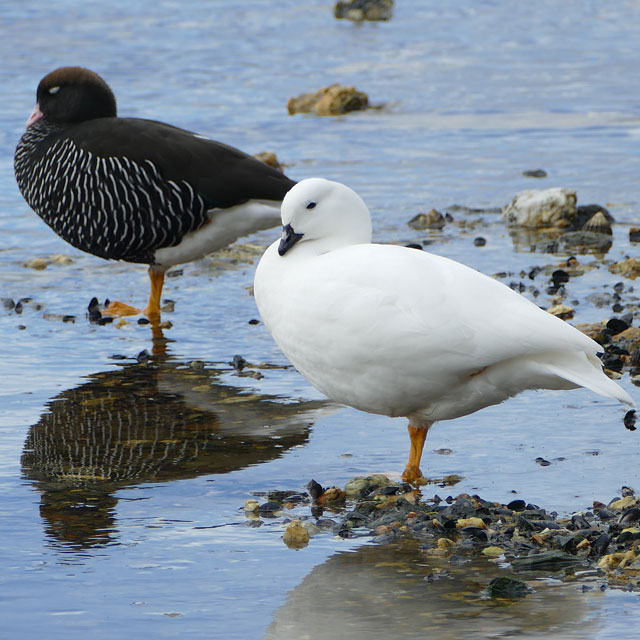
(311, 205)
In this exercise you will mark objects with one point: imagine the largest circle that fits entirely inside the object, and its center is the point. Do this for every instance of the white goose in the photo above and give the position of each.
(402, 332)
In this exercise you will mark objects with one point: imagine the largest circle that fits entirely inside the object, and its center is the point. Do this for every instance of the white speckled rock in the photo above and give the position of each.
(554, 207)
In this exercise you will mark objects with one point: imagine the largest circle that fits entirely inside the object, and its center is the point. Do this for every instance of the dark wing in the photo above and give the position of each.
(222, 175)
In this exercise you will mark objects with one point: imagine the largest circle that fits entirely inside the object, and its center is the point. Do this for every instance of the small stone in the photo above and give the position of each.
(535, 173)
(296, 535)
(238, 363)
(143, 356)
(331, 496)
(431, 220)
(270, 158)
(623, 503)
(517, 505)
(270, 509)
(562, 311)
(168, 306)
(452, 479)
(616, 325)
(598, 223)
(315, 489)
(479, 242)
(329, 101)
(542, 462)
(507, 588)
(493, 552)
(8, 304)
(254, 321)
(470, 522)
(37, 263)
(251, 505)
(629, 268)
(359, 10)
(634, 234)
(630, 420)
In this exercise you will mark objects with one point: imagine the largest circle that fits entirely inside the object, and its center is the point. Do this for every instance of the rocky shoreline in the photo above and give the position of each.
(602, 541)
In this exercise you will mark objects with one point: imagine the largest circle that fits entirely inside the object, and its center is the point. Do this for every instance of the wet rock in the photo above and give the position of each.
(535, 173)
(296, 535)
(143, 357)
(8, 304)
(479, 242)
(431, 220)
(634, 234)
(629, 268)
(598, 223)
(586, 212)
(315, 489)
(359, 10)
(589, 240)
(554, 207)
(517, 505)
(550, 560)
(329, 101)
(238, 363)
(617, 325)
(630, 420)
(270, 158)
(270, 509)
(508, 588)
(41, 263)
(562, 311)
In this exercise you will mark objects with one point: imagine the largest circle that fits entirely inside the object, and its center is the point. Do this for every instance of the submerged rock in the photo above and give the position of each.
(329, 101)
(508, 588)
(359, 10)
(431, 220)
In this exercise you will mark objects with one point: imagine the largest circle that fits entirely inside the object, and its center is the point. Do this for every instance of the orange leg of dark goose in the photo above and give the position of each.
(418, 435)
(152, 310)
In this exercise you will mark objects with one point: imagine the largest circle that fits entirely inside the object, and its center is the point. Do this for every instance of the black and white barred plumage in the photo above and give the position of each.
(111, 207)
(125, 188)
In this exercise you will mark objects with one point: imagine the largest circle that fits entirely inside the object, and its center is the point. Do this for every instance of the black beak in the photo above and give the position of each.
(289, 238)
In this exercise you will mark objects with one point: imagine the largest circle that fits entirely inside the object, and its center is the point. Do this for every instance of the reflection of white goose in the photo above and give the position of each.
(402, 332)
(382, 591)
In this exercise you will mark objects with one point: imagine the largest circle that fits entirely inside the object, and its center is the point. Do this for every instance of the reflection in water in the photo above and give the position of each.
(397, 591)
(147, 423)
(559, 241)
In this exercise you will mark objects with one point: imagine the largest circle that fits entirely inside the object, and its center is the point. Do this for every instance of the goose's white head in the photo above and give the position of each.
(325, 213)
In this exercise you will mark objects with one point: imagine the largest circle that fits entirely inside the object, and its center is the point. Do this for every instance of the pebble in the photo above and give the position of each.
(359, 10)
(535, 173)
(329, 101)
(629, 268)
(296, 536)
(431, 220)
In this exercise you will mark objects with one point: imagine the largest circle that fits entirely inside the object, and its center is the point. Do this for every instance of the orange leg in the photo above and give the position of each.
(418, 435)
(152, 310)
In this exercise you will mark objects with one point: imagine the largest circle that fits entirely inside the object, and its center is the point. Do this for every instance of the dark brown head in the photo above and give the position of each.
(73, 94)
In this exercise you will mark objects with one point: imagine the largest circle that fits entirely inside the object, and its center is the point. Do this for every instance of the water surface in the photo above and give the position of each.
(122, 483)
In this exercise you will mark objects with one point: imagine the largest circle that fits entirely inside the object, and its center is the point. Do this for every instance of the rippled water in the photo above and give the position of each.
(122, 483)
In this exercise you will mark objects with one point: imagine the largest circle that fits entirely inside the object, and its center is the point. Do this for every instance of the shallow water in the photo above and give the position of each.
(122, 483)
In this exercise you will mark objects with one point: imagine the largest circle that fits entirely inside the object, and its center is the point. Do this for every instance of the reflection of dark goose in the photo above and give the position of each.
(148, 424)
(136, 190)
(397, 591)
